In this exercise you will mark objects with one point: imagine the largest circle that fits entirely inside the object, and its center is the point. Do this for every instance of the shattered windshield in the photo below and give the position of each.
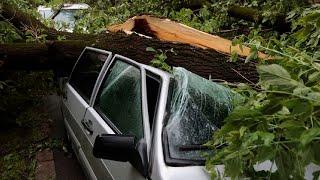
(197, 107)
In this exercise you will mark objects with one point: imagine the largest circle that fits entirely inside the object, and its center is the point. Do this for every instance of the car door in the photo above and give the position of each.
(118, 109)
(78, 92)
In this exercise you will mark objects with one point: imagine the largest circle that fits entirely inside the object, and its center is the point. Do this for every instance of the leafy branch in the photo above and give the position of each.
(159, 59)
(279, 122)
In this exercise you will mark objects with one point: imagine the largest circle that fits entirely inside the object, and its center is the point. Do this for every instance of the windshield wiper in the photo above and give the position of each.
(193, 147)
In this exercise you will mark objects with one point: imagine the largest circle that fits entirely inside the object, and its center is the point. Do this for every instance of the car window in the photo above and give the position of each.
(119, 99)
(153, 92)
(86, 72)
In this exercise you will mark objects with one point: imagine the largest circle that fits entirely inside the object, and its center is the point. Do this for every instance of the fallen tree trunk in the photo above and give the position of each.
(61, 55)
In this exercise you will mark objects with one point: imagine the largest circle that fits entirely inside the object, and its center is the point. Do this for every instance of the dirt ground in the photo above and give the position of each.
(66, 164)
(42, 128)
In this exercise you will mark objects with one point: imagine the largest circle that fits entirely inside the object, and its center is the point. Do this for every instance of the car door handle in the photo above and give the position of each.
(87, 125)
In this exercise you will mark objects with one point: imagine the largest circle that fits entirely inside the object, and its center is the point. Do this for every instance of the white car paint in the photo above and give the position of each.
(76, 109)
(106, 169)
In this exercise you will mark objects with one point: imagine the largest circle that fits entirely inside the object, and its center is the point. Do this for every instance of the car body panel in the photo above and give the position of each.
(118, 170)
(106, 168)
(78, 151)
(74, 108)
(78, 109)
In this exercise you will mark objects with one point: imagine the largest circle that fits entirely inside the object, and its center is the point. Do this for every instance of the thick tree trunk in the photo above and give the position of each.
(61, 55)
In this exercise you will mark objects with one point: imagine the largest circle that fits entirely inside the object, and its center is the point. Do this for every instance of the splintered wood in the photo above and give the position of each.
(167, 30)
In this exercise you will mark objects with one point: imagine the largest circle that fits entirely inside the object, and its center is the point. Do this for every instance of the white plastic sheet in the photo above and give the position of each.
(198, 107)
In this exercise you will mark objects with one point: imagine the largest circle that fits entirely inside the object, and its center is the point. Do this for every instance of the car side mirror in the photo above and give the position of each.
(123, 148)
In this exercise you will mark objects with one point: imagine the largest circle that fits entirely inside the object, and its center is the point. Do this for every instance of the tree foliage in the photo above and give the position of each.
(280, 117)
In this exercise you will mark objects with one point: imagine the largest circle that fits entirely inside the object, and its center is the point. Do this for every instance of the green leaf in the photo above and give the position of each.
(307, 154)
(150, 49)
(253, 55)
(292, 129)
(301, 91)
(265, 153)
(272, 107)
(291, 124)
(242, 130)
(309, 135)
(233, 167)
(240, 113)
(162, 57)
(266, 137)
(316, 66)
(276, 76)
(303, 108)
(234, 56)
(310, 17)
(315, 96)
(273, 71)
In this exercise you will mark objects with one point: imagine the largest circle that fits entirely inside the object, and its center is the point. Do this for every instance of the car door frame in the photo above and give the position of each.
(145, 117)
(104, 67)
(80, 153)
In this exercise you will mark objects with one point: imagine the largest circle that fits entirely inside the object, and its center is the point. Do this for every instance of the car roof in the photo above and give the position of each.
(157, 71)
(75, 6)
(67, 7)
(165, 75)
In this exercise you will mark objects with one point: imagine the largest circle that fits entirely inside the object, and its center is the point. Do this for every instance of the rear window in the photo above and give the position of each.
(86, 72)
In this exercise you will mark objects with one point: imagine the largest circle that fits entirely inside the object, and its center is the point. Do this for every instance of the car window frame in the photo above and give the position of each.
(157, 78)
(109, 56)
(153, 75)
(146, 132)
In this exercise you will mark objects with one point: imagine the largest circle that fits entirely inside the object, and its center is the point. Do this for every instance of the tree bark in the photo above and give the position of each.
(61, 55)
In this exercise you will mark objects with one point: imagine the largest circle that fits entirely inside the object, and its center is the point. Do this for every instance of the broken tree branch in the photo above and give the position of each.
(249, 14)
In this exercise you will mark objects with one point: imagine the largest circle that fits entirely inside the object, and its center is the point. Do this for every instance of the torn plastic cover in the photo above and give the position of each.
(197, 109)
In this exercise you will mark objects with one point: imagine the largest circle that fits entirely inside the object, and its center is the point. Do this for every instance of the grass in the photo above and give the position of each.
(16, 166)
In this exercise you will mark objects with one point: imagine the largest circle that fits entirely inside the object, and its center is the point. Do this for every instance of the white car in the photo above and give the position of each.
(127, 120)
(65, 15)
